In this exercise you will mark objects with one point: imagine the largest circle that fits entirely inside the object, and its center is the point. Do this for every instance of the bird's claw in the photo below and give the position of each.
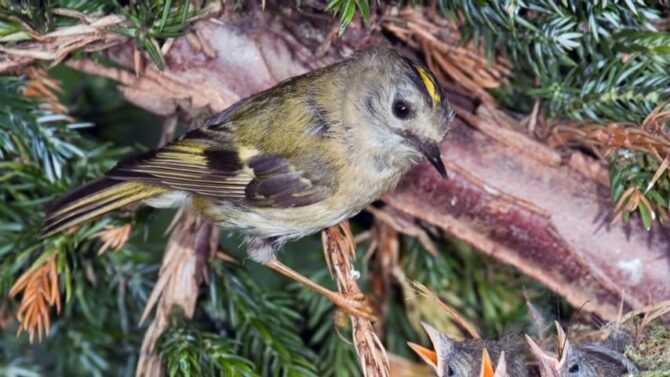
(354, 304)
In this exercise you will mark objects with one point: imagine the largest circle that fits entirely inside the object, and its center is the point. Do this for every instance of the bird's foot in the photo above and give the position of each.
(354, 304)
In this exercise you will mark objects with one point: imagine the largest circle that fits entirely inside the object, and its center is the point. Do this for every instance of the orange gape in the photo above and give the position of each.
(472, 357)
(427, 354)
(487, 365)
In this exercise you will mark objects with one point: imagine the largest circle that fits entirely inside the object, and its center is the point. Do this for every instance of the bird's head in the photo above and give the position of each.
(450, 358)
(404, 101)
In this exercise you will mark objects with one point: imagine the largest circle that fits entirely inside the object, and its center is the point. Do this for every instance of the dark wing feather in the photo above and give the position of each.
(278, 183)
(199, 166)
(188, 165)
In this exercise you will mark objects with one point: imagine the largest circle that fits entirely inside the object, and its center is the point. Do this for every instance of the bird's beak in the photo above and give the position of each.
(431, 150)
(487, 364)
(428, 355)
(549, 365)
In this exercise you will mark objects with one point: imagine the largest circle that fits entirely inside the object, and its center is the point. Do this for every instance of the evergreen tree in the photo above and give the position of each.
(598, 70)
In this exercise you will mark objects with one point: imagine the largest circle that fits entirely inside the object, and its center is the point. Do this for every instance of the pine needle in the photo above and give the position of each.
(113, 237)
(460, 320)
(40, 293)
(659, 172)
(44, 88)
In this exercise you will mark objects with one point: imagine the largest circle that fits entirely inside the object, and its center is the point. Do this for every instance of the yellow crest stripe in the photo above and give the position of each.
(431, 87)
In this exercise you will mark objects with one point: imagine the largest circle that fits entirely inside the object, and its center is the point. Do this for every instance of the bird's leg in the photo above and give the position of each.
(263, 251)
(355, 304)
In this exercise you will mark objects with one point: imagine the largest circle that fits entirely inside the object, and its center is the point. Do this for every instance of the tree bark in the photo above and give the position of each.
(551, 222)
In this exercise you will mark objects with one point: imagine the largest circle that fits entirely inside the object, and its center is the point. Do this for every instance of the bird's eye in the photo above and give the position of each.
(401, 109)
(574, 368)
(450, 372)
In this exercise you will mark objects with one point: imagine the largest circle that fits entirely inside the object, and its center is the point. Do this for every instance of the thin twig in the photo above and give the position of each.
(340, 249)
(460, 320)
(192, 242)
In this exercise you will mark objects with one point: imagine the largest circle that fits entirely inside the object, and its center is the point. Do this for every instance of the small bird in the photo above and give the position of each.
(466, 358)
(597, 359)
(289, 161)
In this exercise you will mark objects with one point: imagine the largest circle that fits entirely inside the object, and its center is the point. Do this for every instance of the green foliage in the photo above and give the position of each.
(613, 90)
(96, 334)
(39, 16)
(23, 122)
(19, 368)
(148, 21)
(188, 351)
(152, 20)
(635, 170)
(44, 155)
(652, 352)
(598, 60)
(264, 324)
(602, 61)
(337, 358)
(483, 292)
(346, 10)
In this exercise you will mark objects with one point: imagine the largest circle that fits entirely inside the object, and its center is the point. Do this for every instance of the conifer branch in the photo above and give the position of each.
(54, 30)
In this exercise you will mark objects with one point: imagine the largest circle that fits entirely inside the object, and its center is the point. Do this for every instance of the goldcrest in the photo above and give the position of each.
(306, 154)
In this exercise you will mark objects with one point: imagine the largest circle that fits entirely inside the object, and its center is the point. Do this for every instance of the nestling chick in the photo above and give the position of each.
(465, 359)
(287, 162)
(595, 359)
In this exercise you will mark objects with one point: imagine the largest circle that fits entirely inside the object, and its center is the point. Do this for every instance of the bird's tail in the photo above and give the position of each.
(93, 200)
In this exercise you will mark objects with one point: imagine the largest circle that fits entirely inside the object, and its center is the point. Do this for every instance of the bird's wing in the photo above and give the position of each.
(202, 163)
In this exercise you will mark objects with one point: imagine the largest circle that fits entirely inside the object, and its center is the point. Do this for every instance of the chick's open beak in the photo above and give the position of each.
(487, 365)
(432, 152)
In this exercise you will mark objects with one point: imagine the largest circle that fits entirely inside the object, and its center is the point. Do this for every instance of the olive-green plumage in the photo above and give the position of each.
(306, 154)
